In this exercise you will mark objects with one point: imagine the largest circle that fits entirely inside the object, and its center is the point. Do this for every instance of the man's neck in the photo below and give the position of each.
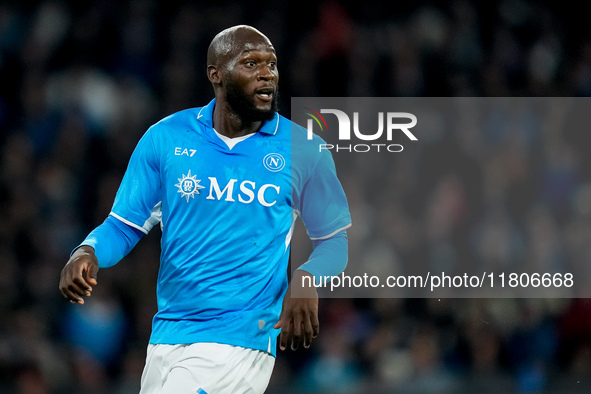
(227, 123)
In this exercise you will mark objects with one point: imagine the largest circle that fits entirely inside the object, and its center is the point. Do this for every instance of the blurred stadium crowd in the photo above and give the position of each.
(81, 81)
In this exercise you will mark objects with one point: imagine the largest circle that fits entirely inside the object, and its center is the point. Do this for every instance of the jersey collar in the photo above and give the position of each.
(205, 116)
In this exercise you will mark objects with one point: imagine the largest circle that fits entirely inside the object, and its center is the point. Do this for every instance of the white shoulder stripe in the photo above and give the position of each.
(154, 219)
(331, 234)
(143, 230)
(294, 217)
(276, 126)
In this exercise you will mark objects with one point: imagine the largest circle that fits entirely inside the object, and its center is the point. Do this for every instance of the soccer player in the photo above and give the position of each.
(226, 183)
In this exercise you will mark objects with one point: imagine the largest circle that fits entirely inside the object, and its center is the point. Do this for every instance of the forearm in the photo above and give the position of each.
(112, 241)
(329, 257)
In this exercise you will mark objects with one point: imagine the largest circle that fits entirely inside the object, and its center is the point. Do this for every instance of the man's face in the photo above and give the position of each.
(250, 81)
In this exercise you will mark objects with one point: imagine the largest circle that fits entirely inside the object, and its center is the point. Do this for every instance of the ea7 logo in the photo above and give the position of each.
(178, 151)
(391, 125)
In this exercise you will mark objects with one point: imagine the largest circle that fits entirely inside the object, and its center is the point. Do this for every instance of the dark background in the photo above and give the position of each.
(81, 81)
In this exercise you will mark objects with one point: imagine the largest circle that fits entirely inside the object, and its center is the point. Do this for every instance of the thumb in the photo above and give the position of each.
(279, 324)
(92, 273)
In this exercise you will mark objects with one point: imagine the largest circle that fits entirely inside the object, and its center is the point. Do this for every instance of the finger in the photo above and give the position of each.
(64, 290)
(308, 333)
(315, 324)
(63, 287)
(82, 285)
(74, 288)
(297, 331)
(71, 291)
(279, 324)
(297, 324)
(295, 342)
(72, 296)
(283, 337)
(91, 274)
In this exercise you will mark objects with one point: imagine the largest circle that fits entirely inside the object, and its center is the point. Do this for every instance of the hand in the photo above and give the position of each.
(299, 316)
(79, 275)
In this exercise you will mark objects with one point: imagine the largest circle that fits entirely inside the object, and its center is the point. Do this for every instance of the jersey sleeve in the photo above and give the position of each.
(323, 205)
(112, 241)
(137, 203)
(329, 257)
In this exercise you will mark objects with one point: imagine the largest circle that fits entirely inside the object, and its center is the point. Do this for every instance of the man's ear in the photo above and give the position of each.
(214, 74)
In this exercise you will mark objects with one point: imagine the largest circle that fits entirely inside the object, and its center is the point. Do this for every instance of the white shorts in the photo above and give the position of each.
(205, 368)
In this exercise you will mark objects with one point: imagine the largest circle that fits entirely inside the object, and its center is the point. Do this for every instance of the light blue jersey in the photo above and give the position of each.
(227, 216)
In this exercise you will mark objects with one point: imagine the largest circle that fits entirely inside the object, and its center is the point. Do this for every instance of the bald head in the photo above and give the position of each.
(229, 43)
(242, 68)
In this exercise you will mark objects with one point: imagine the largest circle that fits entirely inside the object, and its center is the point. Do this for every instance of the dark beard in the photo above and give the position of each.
(244, 107)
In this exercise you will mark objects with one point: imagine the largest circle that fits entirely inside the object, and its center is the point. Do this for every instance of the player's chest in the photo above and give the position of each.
(252, 172)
